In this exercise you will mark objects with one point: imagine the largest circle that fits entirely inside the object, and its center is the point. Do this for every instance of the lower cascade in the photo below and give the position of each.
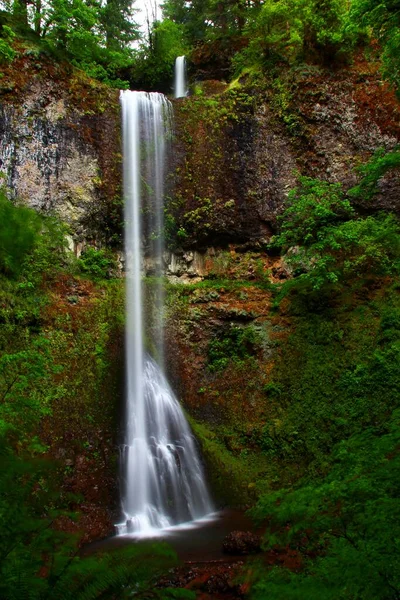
(163, 483)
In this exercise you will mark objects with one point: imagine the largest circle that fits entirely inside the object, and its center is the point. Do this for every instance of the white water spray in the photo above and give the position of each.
(180, 84)
(163, 480)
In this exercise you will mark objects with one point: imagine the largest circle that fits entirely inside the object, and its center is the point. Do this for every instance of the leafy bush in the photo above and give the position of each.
(237, 344)
(7, 53)
(38, 562)
(327, 245)
(312, 206)
(371, 172)
(19, 232)
(384, 20)
(344, 529)
(99, 264)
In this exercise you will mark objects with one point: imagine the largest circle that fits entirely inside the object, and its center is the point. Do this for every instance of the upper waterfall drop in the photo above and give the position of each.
(163, 481)
(180, 79)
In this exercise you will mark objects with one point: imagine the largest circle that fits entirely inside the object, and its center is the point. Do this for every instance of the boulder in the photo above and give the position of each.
(241, 542)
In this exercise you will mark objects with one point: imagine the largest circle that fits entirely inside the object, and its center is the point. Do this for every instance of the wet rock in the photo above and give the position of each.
(220, 584)
(241, 542)
(280, 273)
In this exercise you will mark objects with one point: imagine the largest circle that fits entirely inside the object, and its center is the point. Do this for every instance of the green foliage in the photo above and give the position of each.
(25, 390)
(294, 30)
(50, 255)
(7, 53)
(312, 206)
(38, 562)
(154, 65)
(326, 249)
(371, 172)
(237, 344)
(232, 477)
(30, 245)
(95, 37)
(49, 366)
(99, 264)
(19, 229)
(87, 34)
(190, 16)
(335, 375)
(346, 526)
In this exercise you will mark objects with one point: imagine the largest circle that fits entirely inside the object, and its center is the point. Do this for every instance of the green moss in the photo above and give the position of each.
(234, 480)
(236, 344)
(335, 375)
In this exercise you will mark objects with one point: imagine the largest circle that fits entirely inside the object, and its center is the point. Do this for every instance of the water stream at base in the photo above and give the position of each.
(163, 483)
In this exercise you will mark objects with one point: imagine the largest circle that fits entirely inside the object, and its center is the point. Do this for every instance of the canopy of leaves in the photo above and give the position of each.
(96, 37)
(154, 65)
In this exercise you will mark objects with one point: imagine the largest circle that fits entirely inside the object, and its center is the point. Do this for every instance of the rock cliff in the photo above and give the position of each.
(235, 155)
(238, 149)
(60, 146)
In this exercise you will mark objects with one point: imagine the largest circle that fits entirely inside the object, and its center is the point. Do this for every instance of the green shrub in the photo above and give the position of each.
(7, 52)
(99, 264)
(37, 562)
(371, 172)
(312, 206)
(19, 232)
(383, 18)
(344, 528)
(237, 344)
(327, 245)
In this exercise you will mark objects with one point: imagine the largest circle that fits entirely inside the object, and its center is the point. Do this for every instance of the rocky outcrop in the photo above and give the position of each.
(238, 151)
(60, 146)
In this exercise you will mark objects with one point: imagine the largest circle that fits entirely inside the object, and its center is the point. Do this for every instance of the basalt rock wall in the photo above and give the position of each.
(60, 146)
(238, 150)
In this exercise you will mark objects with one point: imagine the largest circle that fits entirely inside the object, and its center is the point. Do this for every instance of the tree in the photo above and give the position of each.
(154, 66)
(116, 18)
(192, 16)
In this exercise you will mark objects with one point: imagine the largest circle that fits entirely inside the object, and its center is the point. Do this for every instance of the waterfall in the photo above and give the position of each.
(180, 84)
(163, 481)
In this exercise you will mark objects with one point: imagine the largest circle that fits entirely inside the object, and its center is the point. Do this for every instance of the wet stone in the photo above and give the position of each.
(241, 542)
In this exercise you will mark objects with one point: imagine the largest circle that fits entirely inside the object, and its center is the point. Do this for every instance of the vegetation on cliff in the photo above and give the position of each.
(306, 418)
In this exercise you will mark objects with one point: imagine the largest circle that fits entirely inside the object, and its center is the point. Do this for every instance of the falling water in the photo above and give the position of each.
(163, 480)
(180, 77)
